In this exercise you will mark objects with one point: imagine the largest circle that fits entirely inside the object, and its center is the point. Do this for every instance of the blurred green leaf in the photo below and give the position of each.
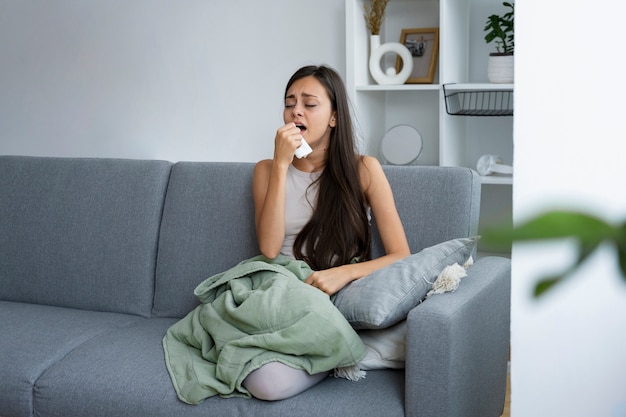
(545, 284)
(563, 224)
(621, 250)
(589, 232)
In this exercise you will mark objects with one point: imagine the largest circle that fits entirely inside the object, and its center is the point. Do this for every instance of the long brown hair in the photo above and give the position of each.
(338, 231)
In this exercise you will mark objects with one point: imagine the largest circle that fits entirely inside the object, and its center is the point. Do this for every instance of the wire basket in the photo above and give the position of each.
(480, 103)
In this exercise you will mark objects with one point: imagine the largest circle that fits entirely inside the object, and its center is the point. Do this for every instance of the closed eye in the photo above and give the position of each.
(290, 106)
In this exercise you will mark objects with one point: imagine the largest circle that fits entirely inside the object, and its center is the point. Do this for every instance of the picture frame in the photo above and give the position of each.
(423, 43)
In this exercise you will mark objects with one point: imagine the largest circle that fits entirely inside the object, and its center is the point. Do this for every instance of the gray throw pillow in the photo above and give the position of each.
(386, 296)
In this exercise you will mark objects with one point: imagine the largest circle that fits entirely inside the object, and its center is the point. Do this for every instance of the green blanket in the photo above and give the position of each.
(256, 312)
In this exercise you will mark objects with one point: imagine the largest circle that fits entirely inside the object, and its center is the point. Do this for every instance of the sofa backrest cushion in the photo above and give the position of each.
(207, 228)
(80, 233)
(436, 204)
(208, 221)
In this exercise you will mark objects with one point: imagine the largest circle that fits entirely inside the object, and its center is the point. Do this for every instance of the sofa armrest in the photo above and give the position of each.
(457, 346)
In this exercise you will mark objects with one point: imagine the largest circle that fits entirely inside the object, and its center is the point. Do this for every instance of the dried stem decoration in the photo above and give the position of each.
(374, 15)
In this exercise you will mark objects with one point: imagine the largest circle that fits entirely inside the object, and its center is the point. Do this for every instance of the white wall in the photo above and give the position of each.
(569, 349)
(176, 80)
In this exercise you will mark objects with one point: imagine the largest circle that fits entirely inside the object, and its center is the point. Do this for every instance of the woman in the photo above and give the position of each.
(317, 208)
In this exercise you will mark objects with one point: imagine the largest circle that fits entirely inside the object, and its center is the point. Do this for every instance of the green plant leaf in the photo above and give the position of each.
(587, 229)
(562, 224)
(545, 284)
(620, 242)
(502, 30)
(588, 232)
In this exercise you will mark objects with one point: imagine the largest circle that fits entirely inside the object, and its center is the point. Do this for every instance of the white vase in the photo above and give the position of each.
(500, 68)
(389, 76)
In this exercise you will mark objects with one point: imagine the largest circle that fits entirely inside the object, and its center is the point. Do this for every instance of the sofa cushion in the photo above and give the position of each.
(207, 228)
(386, 348)
(386, 296)
(435, 204)
(123, 373)
(81, 232)
(35, 338)
(208, 204)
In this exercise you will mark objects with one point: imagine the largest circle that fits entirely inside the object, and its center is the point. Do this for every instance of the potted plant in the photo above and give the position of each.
(501, 30)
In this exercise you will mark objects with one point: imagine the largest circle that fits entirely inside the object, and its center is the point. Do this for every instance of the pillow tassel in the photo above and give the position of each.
(468, 263)
(353, 373)
(448, 280)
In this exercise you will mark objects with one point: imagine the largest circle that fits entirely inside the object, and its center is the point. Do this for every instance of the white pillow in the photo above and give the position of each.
(386, 348)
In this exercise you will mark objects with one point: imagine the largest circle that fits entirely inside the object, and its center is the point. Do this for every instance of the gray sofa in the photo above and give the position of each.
(99, 257)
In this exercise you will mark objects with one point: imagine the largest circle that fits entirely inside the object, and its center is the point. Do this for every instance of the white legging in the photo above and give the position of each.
(277, 381)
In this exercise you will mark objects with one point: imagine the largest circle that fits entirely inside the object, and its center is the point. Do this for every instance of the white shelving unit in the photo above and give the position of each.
(448, 140)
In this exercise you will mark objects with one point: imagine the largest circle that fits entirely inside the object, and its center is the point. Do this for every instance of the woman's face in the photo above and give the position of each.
(308, 106)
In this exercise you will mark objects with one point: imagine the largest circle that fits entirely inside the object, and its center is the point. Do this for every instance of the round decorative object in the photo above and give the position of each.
(401, 145)
(500, 68)
(492, 164)
(389, 76)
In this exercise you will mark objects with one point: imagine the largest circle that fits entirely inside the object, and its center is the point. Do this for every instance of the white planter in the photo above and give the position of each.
(377, 51)
(500, 68)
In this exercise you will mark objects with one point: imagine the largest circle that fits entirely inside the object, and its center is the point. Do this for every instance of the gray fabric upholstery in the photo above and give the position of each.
(386, 296)
(435, 204)
(461, 347)
(77, 229)
(35, 338)
(202, 216)
(99, 257)
(113, 375)
(207, 228)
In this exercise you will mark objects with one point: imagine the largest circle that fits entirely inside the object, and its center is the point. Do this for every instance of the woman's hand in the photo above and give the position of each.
(330, 280)
(288, 139)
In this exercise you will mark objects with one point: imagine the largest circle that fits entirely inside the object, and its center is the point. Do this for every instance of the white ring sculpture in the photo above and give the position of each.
(389, 76)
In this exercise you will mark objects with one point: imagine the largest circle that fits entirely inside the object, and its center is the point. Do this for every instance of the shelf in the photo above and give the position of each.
(429, 87)
(478, 102)
(449, 140)
(399, 87)
(497, 180)
(478, 87)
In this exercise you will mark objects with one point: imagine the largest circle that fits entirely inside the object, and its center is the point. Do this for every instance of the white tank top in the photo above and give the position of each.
(300, 200)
